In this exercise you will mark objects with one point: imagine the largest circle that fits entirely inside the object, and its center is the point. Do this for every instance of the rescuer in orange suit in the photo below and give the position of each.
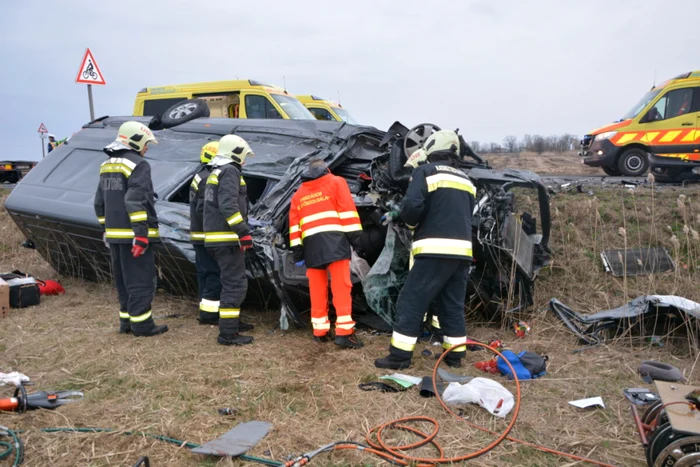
(323, 223)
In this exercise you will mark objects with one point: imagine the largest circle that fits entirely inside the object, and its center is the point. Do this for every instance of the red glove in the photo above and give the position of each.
(246, 242)
(140, 245)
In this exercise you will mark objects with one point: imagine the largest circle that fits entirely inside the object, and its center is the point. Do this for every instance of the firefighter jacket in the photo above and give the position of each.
(323, 220)
(438, 208)
(197, 188)
(225, 207)
(124, 201)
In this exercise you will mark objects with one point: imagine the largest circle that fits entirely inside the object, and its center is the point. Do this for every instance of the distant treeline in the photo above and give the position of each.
(529, 143)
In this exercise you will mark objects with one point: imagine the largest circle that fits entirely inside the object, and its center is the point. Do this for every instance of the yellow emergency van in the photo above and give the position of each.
(661, 130)
(325, 109)
(245, 98)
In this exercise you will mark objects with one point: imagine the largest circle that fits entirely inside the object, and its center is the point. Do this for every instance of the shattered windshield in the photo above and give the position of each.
(345, 116)
(293, 107)
(644, 101)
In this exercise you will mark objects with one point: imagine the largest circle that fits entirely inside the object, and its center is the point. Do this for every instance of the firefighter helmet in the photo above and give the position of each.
(234, 147)
(208, 152)
(135, 135)
(443, 140)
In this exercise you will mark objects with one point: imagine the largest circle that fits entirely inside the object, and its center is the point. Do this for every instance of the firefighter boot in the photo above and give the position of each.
(349, 342)
(234, 339)
(124, 323)
(392, 362)
(153, 331)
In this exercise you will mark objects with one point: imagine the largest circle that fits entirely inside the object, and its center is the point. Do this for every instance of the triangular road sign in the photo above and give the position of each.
(89, 72)
(42, 129)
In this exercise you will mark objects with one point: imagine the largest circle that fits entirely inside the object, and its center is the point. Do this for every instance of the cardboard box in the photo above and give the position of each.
(4, 299)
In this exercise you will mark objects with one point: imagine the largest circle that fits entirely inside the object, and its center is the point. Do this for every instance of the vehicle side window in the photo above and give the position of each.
(321, 114)
(260, 107)
(673, 104)
(696, 100)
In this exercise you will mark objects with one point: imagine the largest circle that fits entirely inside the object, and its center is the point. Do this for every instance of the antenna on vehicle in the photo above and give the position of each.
(338, 91)
(284, 80)
(654, 80)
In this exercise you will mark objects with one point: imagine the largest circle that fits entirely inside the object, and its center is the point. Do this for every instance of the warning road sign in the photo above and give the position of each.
(42, 129)
(89, 72)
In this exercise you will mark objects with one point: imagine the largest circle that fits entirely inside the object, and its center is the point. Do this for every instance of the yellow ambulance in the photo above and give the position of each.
(661, 130)
(325, 109)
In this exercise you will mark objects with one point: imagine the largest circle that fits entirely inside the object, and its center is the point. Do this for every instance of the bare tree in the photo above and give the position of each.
(476, 146)
(510, 144)
(528, 143)
(495, 148)
(539, 144)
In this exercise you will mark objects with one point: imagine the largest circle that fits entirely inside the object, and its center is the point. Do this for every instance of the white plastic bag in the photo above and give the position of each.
(483, 391)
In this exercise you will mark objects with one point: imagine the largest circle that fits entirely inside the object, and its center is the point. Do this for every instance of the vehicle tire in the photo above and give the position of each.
(183, 112)
(633, 162)
(611, 171)
(673, 175)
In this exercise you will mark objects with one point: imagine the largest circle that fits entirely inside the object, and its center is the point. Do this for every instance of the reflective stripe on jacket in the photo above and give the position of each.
(322, 216)
(438, 206)
(225, 207)
(124, 201)
(197, 188)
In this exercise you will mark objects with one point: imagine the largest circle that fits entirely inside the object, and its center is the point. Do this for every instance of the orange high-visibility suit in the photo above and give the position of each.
(323, 222)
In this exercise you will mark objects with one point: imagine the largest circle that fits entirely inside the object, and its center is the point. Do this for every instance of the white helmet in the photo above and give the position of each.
(416, 158)
(235, 148)
(135, 135)
(443, 140)
(51, 135)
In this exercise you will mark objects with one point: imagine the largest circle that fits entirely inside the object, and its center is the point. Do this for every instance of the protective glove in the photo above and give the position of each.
(140, 245)
(246, 242)
(388, 217)
(300, 263)
(104, 239)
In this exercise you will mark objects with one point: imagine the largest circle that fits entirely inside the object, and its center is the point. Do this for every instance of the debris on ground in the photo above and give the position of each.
(487, 393)
(667, 311)
(237, 441)
(651, 370)
(637, 261)
(640, 396)
(589, 402)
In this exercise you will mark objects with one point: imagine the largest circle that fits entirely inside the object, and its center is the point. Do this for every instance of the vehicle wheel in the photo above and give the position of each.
(183, 112)
(673, 175)
(612, 171)
(633, 162)
(14, 178)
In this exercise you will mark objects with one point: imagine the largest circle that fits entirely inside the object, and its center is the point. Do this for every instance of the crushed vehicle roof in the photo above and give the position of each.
(53, 204)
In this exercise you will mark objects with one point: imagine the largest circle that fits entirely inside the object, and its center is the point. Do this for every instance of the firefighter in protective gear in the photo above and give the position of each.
(208, 273)
(124, 205)
(226, 233)
(438, 208)
(323, 223)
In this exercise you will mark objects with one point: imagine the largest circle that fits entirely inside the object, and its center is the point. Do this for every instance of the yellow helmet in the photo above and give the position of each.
(234, 147)
(416, 158)
(135, 135)
(208, 152)
(443, 140)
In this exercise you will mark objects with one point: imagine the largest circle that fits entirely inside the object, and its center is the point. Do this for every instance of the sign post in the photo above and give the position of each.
(42, 131)
(89, 73)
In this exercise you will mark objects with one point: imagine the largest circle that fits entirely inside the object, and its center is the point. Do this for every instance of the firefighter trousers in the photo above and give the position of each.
(341, 288)
(234, 285)
(209, 284)
(135, 279)
(443, 280)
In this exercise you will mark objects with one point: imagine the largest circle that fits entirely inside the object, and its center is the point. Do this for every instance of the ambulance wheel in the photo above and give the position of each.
(611, 171)
(183, 112)
(633, 162)
(683, 452)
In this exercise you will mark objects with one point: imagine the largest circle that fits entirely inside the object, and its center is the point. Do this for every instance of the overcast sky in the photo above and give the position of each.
(490, 68)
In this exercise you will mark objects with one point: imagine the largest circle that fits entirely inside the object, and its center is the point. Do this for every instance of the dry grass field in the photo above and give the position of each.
(173, 384)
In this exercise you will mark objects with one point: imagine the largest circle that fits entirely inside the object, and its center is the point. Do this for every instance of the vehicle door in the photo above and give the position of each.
(671, 124)
(257, 104)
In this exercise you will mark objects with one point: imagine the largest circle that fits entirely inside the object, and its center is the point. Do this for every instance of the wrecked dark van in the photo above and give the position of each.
(53, 206)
